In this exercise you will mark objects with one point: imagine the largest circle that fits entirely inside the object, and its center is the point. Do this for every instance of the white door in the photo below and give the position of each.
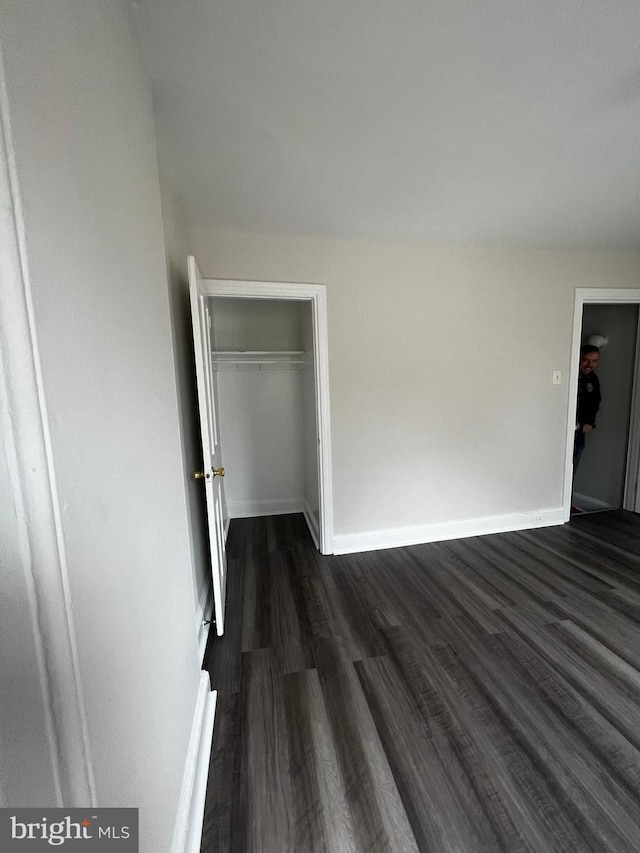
(213, 472)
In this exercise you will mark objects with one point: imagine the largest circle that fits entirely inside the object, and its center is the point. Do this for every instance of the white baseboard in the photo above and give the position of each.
(187, 833)
(204, 615)
(312, 524)
(416, 535)
(590, 503)
(249, 509)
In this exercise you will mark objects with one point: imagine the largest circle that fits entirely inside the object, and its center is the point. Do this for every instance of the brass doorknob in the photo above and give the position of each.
(201, 475)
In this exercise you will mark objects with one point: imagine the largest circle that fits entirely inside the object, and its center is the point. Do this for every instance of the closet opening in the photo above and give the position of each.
(269, 367)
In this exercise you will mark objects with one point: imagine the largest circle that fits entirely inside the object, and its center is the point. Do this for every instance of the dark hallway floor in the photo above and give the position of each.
(475, 695)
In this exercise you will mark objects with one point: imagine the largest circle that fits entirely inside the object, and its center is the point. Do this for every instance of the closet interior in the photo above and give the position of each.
(262, 358)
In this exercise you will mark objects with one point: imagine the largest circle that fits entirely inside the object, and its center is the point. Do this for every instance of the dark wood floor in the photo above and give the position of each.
(475, 695)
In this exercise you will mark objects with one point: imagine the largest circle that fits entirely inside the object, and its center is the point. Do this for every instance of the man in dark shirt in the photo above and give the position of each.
(588, 399)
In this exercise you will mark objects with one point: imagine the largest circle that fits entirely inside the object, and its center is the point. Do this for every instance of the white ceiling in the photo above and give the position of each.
(492, 121)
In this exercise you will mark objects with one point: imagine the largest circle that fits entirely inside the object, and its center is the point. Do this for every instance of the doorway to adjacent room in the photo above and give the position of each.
(608, 474)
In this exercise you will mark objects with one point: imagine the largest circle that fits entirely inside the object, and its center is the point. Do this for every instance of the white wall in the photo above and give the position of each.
(27, 776)
(259, 325)
(80, 108)
(440, 362)
(601, 472)
(262, 437)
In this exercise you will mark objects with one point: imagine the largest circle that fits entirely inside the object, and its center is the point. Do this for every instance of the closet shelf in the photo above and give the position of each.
(284, 358)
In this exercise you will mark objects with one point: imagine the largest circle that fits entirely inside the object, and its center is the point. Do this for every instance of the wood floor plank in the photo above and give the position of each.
(378, 816)
(289, 629)
(394, 582)
(623, 600)
(441, 804)
(314, 595)
(223, 825)
(495, 571)
(244, 610)
(473, 695)
(620, 757)
(608, 549)
(610, 684)
(594, 789)
(605, 622)
(591, 805)
(551, 572)
(451, 593)
(568, 560)
(375, 601)
(267, 813)
(514, 564)
(322, 820)
(621, 523)
(351, 619)
(467, 572)
(529, 802)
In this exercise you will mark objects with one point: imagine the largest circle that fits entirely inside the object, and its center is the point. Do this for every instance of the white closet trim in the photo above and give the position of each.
(315, 294)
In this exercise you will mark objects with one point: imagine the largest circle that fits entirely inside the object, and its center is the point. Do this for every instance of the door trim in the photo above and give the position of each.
(602, 296)
(37, 556)
(316, 294)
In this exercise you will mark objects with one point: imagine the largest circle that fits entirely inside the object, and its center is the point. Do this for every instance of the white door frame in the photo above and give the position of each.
(31, 516)
(316, 295)
(210, 440)
(603, 296)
